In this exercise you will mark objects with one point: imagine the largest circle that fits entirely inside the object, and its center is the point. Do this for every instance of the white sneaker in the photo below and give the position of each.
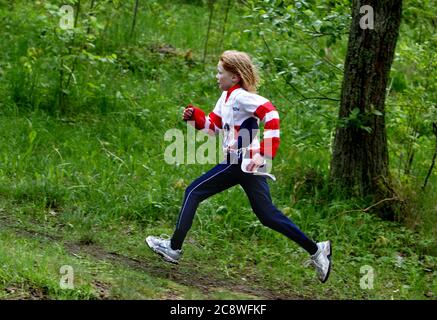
(162, 246)
(321, 260)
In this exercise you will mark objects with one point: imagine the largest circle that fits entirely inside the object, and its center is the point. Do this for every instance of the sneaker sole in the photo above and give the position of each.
(165, 257)
(329, 258)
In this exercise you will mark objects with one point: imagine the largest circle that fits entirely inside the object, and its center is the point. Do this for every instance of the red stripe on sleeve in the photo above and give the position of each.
(216, 119)
(261, 111)
(272, 124)
(269, 146)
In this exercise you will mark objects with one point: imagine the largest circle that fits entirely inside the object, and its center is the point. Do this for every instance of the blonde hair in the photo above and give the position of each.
(239, 63)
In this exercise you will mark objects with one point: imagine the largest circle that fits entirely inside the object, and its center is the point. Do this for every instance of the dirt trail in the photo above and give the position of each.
(182, 274)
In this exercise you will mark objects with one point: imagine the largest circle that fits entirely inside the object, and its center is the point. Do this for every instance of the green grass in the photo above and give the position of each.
(85, 187)
(31, 267)
(230, 261)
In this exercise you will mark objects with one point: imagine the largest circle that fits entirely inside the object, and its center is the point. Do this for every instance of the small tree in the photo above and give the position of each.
(211, 13)
(134, 19)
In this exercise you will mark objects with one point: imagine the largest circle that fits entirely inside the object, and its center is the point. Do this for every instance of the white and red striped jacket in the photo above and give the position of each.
(234, 107)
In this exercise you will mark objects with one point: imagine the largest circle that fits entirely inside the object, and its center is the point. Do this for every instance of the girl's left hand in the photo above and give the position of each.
(255, 162)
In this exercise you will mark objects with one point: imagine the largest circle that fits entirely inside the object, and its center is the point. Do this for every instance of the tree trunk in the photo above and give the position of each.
(228, 6)
(211, 12)
(134, 20)
(360, 158)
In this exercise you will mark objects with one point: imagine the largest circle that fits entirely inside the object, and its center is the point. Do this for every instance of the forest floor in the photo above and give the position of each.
(181, 281)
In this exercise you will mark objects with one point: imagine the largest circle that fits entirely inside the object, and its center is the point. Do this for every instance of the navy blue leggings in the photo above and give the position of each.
(224, 176)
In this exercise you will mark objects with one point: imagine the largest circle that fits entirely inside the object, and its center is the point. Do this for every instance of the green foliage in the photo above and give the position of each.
(411, 109)
(83, 114)
(360, 120)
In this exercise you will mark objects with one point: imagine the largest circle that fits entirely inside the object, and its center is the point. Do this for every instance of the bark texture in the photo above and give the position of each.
(360, 161)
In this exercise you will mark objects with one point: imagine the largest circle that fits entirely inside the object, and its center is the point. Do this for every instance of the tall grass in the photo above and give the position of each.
(101, 160)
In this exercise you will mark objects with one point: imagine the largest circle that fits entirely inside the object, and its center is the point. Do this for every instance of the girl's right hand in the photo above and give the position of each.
(188, 113)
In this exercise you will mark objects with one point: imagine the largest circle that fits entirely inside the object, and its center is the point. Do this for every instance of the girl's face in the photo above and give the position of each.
(225, 79)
